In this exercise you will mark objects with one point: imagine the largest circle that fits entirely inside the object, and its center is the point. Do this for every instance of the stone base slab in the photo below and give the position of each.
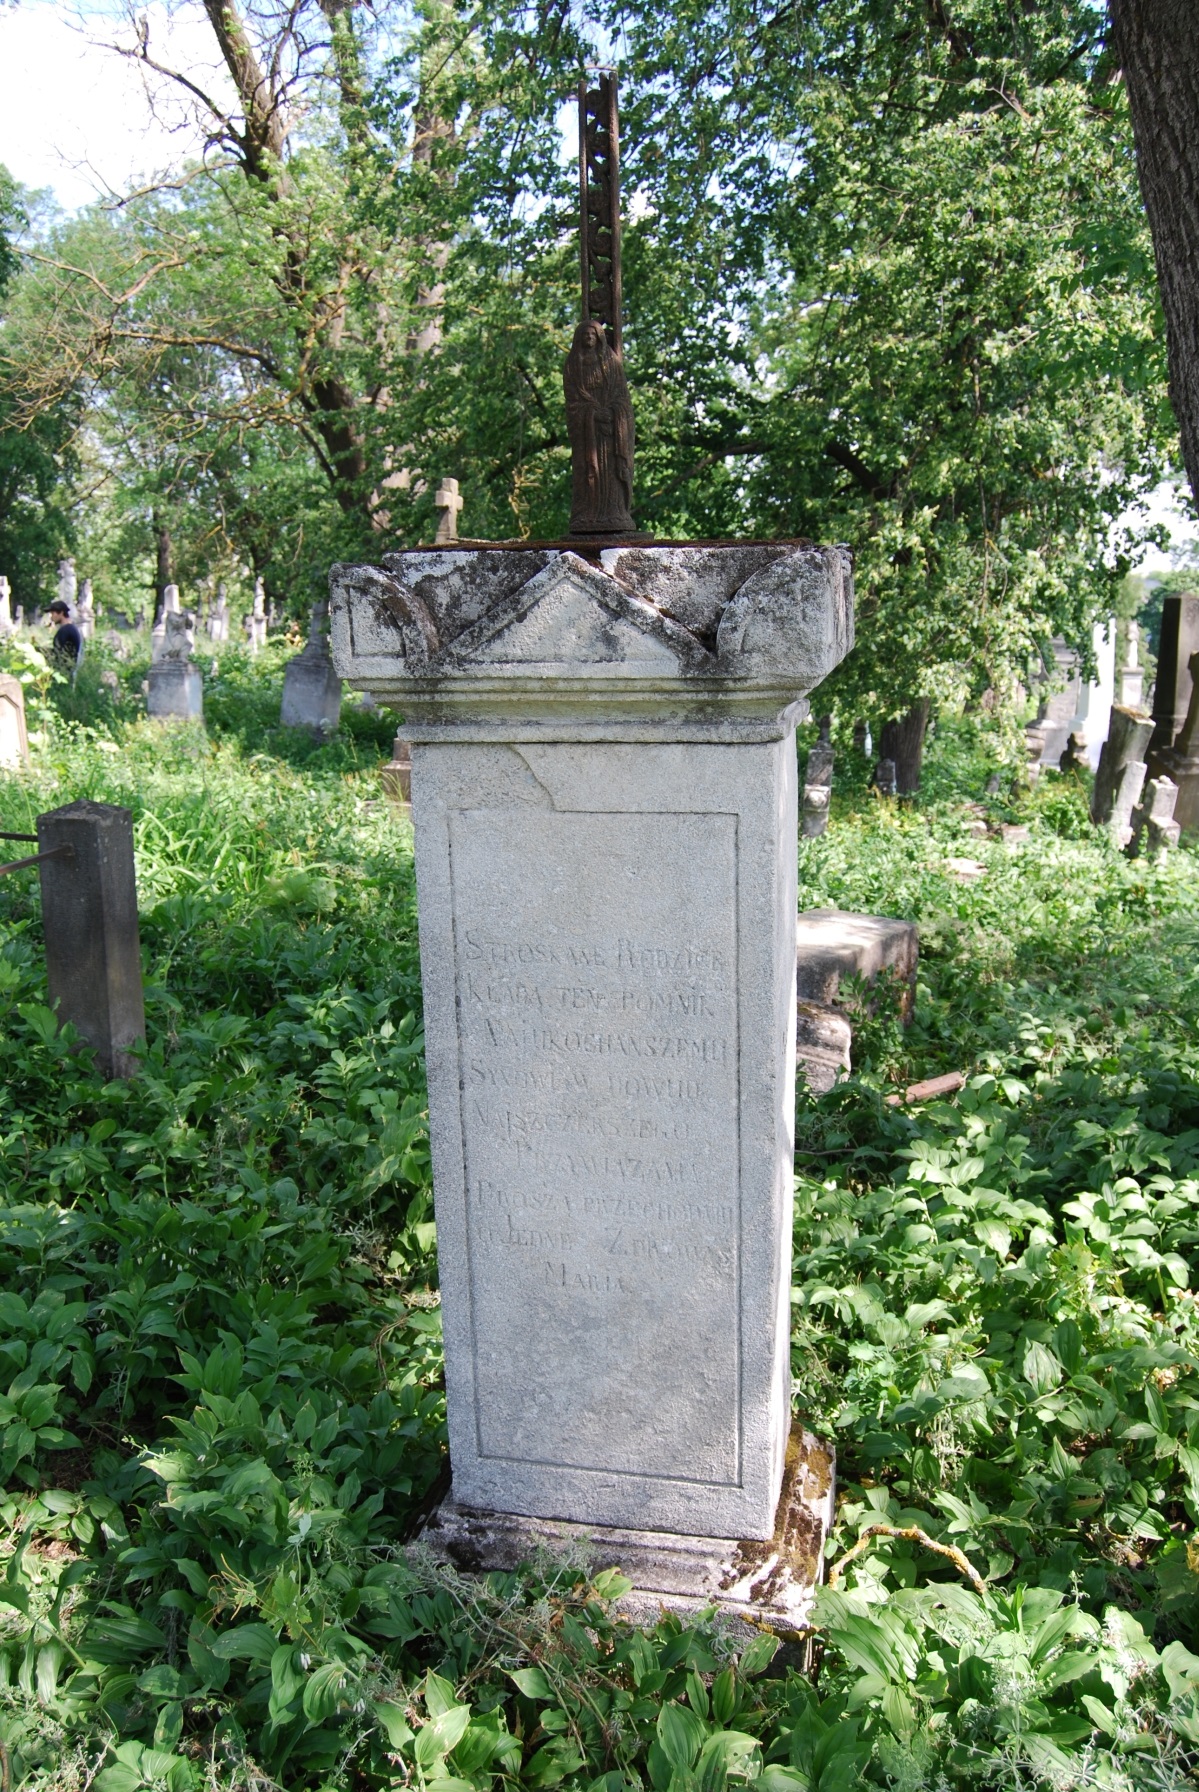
(759, 1583)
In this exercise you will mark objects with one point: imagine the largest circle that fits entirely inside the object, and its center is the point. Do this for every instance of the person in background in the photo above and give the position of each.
(67, 644)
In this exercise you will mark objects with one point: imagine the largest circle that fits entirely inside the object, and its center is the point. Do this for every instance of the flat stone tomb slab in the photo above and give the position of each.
(604, 802)
(773, 1579)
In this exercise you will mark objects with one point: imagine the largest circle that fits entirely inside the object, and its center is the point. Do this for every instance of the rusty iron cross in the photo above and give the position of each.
(599, 206)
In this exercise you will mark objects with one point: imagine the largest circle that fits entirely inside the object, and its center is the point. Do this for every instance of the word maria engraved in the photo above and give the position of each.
(599, 1093)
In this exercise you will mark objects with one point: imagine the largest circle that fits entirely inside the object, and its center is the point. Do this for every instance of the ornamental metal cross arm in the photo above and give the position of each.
(599, 206)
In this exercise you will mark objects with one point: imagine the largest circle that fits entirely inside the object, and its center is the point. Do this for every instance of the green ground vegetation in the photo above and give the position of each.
(221, 1405)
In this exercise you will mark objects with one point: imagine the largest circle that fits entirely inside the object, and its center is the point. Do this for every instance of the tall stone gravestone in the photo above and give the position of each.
(256, 623)
(7, 620)
(175, 687)
(447, 503)
(604, 792)
(67, 586)
(1121, 774)
(87, 611)
(1172, 694)
(1180, 763)
(218, 616)
(1132, 675)
(818, 783)
(311, 687)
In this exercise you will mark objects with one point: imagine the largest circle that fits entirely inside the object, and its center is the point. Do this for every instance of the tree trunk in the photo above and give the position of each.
(903, 741)
(1157, 42)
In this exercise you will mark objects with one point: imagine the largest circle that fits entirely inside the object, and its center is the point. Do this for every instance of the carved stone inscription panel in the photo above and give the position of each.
(596, 978)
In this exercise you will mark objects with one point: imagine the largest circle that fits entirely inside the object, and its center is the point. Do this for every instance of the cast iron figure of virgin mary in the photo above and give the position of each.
(599, 418)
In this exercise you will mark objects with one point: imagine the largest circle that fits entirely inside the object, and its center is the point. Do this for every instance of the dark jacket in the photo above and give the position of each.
(68, 642)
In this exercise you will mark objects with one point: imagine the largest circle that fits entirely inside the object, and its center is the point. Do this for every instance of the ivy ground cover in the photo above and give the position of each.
(220, 1392)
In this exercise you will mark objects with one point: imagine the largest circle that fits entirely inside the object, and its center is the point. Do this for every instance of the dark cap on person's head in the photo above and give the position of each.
(60, 607)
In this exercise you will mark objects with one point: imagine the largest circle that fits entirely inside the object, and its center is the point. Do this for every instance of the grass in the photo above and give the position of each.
(220, 1377)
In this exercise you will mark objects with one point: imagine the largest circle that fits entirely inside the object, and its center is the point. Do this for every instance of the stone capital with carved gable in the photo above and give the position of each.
(630, 643)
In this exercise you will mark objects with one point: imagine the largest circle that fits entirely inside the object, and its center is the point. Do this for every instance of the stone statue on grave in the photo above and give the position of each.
(599, 418)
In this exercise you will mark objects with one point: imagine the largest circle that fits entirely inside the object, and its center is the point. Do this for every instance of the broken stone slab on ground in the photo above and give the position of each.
(832, 945)
(773, 1580)
(1121, 774)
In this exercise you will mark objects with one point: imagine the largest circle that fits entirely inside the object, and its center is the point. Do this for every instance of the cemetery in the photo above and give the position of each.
(599, 1125)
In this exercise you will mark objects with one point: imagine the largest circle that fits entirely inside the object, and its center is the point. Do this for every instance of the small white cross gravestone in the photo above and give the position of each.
(448, 504)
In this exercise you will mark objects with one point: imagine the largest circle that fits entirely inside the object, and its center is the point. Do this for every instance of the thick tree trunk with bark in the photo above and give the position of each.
(903, 741)
(1157, 42)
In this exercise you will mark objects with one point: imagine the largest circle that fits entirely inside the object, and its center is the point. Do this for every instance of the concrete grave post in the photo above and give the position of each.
(89, 906)
(1154, 829)
(447, 503)
(256, 623)
(396, 776)
(67, 587)
(1180, 763)
(175, 687)
(604, 790)
(311, 687)
(218, 616)
(14, 741)
(1172, 687)
(818, 783)
(1132, 674)
(87, 611)
(1121, 773)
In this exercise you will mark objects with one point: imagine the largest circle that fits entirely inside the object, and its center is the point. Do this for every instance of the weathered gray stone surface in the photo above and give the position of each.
(174, 687)
(1154, 829)
(1132, 674)
(818, 785)
(772, 1580)
(1178, 640)
(14, 742)
(605, 808)
(1117, 783)
(832, 943)
(218, 616)
(89, 901)
(7, 620)
(87, 611)
(311, 687)
(256, 621)
(396, 776)
(1180, 763)
(447, 504)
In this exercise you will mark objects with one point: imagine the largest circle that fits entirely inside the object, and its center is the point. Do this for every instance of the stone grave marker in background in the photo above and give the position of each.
(311, 687)
(89, 905)
(396, 776)
(447, 503)
(605, 796)
(87, 611)
(1132, 673)
(1154, 829)
(818, 783)
(885, 781)
(67, 587)
(1180, 763)
(831, 947)
(7, 620)
(175, 687)
(218, 616)
(1081, 708)
(1121, 774)
(1179, 639)
(14, 741)
(256, 624)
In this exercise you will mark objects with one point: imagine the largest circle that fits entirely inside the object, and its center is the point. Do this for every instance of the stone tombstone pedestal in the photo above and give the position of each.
(175, 687)
(604, 792)
(311, 687)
